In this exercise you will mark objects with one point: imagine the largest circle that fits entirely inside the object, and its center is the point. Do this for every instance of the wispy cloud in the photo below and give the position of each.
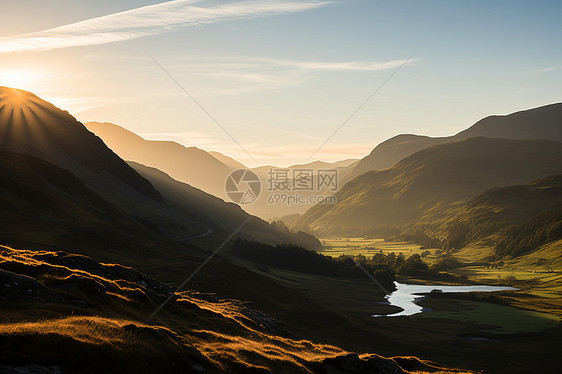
(337, 66)
(551, 68)
(227, 75)
(149, 20)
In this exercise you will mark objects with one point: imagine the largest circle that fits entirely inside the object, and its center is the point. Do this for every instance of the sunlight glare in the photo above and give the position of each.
(22, 79)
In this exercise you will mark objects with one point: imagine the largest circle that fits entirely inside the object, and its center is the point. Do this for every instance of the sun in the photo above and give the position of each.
(23, 79)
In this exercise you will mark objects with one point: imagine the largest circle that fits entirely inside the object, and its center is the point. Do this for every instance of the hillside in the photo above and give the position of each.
(32, 126)
(434, 179)
(188, 164)
(220, 215)
(75, 314)
(228, 161)
(517, 219)
(539, 123)
(44, 206)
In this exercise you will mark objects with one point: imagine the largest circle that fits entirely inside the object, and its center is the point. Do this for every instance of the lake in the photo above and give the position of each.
(406, 295)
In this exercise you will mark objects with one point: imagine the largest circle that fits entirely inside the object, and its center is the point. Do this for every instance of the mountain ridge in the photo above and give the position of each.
(544, 122)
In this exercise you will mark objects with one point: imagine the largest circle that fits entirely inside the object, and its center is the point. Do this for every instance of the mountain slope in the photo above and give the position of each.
(544, 122)
(517, 219)
(187, 164)
(228, 161)
(516, 204)
(219, 214)
(207, 171)
(539, 123)
(68, 313)
(44, 206)
(435, 178)
(34, 126)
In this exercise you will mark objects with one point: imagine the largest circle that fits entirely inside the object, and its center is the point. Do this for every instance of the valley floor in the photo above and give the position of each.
(504, 332)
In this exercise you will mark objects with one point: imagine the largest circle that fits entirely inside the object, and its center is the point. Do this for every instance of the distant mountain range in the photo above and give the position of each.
(187, 164)
(538, 123)
(207, 171)
(433, 179)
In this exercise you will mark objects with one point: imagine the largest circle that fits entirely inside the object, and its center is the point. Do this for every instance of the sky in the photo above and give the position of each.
(286, 81)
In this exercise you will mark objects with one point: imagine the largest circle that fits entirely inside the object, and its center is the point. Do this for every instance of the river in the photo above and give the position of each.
(406, 295)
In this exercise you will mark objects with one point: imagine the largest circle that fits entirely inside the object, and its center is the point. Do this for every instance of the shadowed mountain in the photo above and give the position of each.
(187, 164)
(99, 183)
(516, 204)
(539, 123)
(433, 179)
(33, 126)
(219, 214)
(44, 206)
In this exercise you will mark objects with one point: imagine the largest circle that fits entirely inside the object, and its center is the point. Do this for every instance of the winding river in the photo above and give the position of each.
(406, 295)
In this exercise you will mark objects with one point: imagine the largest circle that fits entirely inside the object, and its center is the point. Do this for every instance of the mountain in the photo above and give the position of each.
(518, 203)
(434, 179)
(33, 126)
(93, 199)
(219, 214)
(539, 123)
(44, 206)
(544, 122)
(228, 161)
(187, 164)
(207, 171)
(517, 219)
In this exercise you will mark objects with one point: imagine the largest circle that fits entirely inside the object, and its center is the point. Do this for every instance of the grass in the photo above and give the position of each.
(368, 247)
(491, 318)
(221, 333)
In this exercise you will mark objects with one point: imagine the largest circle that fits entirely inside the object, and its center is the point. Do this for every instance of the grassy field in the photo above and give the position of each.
(491, 318)
(522, 272)
(368, 247)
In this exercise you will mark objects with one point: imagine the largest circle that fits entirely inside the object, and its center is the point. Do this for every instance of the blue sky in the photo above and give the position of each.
(281, 76)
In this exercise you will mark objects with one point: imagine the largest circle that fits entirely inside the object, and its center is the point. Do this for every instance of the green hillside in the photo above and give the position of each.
(433, 181)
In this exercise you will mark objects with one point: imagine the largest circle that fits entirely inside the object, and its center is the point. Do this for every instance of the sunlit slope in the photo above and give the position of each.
(70, 313)
(187, 164)
(436, 178)
(538, 123)
(513, 221)
(515, 204)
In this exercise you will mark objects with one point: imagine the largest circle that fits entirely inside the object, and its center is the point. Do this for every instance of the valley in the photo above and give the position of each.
(279, 187)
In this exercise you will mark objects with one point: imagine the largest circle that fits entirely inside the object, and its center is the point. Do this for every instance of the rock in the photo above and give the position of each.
(353, 364)
(30, 369)
(21, 288)
(70, 261)
(84, 286)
